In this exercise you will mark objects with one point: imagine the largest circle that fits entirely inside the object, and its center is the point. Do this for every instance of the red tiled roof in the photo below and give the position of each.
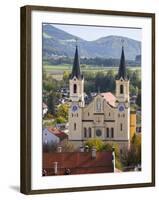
(58, 133)
(78, 162)
(109, 97)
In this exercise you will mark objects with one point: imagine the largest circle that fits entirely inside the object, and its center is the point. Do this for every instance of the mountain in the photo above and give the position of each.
(60, 43)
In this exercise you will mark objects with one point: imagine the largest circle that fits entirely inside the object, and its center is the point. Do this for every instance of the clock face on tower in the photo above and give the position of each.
(121, 107)
(74, 108)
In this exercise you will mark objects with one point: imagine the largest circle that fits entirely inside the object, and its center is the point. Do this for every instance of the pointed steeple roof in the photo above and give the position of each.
(122, 66)
(76, 66)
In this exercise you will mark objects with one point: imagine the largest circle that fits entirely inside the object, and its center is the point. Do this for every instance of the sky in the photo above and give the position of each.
(90, 33)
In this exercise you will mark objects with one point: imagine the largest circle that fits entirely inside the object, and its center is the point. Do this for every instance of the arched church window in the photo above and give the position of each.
(90, 132)
(107, 132)
(121, 127)
(121, 89)
(75, 88)
(85, 132)
(112, 132)
(98, 105)
(74, 126)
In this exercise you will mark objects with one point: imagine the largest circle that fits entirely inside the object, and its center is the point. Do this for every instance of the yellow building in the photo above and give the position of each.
(132, 123)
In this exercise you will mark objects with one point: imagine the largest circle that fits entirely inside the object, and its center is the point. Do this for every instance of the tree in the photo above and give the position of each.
(62, 111)
(138, 100)
(48, 116)
(133, 90)
(132, 157)
(51, 101)
(136, 145)
(49, 147)
(66, 76)
(97, 143)
(67, 146)
(60, 120)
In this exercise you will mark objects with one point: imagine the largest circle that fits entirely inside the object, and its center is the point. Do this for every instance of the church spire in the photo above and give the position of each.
(76, 66)
(122, 66)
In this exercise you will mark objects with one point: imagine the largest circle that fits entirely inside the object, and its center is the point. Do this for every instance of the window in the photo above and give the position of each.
(121, 89)
(98, 132)
(74, 126)
(88, 113)
(112, 132)
(72, 115)
(109, 114)
(123, 115)
(118, 115)
(98, 105)
(90, 132)
(74, 88)
(77, 114)
(107, 132)
(85, 132)
(121, 127)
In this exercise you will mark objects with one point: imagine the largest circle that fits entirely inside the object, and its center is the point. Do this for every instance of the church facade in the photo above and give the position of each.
(106, 117)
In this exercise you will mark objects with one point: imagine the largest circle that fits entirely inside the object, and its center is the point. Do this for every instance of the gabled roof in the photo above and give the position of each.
(122, 67)
(58, 133)
(110, 98)
(79, 162)
(76, 67)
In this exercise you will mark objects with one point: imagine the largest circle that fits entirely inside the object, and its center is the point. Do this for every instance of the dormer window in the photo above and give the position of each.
(75, 88)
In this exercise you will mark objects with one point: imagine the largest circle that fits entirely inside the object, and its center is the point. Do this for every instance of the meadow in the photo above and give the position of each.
(56, 71)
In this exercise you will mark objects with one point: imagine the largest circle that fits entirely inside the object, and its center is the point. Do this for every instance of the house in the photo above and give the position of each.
(58, 133)
(63, 127)
(53, 136)
(49, 138)
(71, 163)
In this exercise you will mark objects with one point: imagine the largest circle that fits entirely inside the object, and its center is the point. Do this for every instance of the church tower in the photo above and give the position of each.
(76, 82)
(122, 101)
(76, 87)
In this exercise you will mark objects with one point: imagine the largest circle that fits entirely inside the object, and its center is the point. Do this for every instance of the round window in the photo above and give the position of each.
(98, 132)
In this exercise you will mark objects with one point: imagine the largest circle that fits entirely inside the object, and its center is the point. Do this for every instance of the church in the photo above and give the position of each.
(107, 116)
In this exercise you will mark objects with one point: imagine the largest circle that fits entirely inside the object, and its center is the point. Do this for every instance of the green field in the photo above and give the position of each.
(57, 70)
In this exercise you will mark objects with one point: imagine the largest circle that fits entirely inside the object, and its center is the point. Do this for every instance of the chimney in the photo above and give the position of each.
(59, 149)
(55, 168)
(113, 158)
(81, 149)
(94, 154)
